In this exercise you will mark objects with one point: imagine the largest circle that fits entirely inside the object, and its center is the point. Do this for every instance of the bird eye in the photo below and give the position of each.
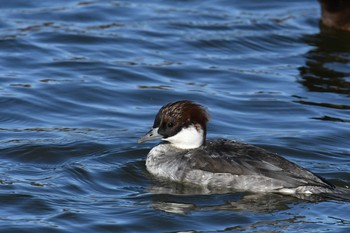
(170, 125)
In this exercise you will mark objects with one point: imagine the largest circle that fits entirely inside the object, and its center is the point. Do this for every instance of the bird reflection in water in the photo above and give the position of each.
(180, 198)
(327, 65)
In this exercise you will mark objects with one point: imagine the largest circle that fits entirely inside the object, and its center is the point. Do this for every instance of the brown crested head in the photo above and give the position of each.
(172, 117)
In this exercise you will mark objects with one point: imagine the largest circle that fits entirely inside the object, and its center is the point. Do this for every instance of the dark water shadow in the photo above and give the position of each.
(327, 66)
(327, 70)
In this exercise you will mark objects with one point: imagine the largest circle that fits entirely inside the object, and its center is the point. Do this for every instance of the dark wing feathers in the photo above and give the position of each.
(226, 156)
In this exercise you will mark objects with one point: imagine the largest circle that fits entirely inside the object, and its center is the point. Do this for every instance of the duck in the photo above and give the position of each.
(336, 14)
(186, 156)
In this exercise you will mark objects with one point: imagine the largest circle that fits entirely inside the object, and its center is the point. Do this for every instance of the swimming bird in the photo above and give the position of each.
(186, 156)
(336, 13)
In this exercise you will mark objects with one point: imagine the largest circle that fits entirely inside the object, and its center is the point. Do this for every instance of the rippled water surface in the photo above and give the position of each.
(81, 81)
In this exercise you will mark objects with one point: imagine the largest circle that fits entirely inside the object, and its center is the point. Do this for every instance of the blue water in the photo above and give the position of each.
(81, 81)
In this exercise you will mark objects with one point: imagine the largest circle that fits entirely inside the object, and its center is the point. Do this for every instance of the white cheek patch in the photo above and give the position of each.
(187, 138)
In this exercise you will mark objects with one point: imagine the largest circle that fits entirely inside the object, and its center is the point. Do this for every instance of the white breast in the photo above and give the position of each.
(160, 163)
